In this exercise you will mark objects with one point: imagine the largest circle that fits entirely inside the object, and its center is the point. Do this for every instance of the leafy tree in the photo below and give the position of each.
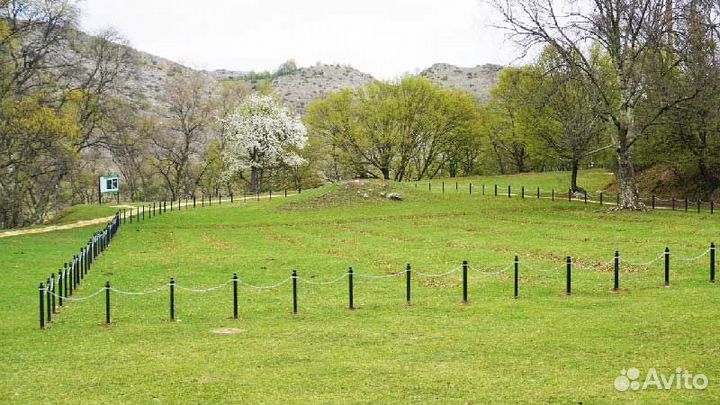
(260, 136)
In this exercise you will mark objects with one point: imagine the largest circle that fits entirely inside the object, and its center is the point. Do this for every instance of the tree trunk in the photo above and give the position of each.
(574, 166)
(385, 172)
(629, 195)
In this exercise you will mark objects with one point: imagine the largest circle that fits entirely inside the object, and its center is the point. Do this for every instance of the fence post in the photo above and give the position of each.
(443, 187)
(60, 282)
(522, 192)
(673, 203)
(235, 295)
(553, 195)
(210, 199)
(585, 196)
(712, 262)
(47, 297)
(456, 187)
(53, 291)
(483, 189)
(568, 289)
(667, 267)
(295, 295)
(470, 187)
(194, 201)
(350, 289)
(538, 193)
(616, 283)
(131, 215)
(172, 298)
(42, 306)
(65, 279)
(653, 201)
(569, 195)
(515, 288)
(107, 302)
(509, 190)
(465, 281)
(686, 204)
(698, 205)
(601, 198)
(496, 188)
(712, 206)
(408, 276)
(429, 186)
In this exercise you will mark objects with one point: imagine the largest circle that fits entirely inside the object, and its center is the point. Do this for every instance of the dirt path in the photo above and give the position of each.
(103, 220)
(52, 228)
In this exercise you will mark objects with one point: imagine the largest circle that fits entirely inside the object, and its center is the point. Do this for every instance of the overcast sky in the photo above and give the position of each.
(385, 38)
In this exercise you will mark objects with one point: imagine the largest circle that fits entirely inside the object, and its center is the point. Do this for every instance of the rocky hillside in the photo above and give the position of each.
(301, 87)
(478, 80)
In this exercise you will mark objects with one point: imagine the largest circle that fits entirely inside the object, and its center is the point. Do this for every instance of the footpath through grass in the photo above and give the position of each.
(542, 348)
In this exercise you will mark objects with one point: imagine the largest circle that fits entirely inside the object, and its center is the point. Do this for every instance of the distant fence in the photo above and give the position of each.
(601, 198)
(57, 290)
(51, 292)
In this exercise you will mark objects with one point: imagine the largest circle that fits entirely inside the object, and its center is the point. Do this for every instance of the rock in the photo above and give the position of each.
(578, 195)
(366, 195)
(394, 196)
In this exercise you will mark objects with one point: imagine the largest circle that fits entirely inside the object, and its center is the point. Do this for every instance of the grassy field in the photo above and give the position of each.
(544, 347)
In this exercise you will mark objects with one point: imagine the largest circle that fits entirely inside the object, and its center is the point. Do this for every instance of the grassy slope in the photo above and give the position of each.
(544, 347)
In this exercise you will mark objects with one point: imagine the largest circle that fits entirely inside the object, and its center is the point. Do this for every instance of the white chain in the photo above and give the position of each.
(162, 287)
(643, 264)
(690, 259)
(204, 290)
(75, 299)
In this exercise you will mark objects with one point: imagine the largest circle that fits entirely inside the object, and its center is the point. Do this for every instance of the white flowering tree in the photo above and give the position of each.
(262, 135)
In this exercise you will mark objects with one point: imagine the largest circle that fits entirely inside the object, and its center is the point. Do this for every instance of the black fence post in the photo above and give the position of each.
(538, 193)
(235, 295)
(172, 298)
(107, 302)
(698, 205)
(47, 297)
(509, 190)
(295, 293)
(653, 201)
(568, 287)
(585, 196)
(496, 190)
(616, 283)
(522, 191)
(60, 283)
(194, 201)
(686, 204)
(470, 188)
(220, 198)
(553, 195)
(443, 187)
(456, 187)
(601, 198)
(408, 277)
(53, 292)
(712, 262)
(483, 189)
(673, 203)
(569, 195)
(667, 267)
(351, 292)
(429, 186)
(131, 215)
(712, 207)
(42, 306)
(465, 281)
(516, 278)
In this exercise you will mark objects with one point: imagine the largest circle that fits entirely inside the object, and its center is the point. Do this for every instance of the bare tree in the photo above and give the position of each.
(636, 37)
(186, 123)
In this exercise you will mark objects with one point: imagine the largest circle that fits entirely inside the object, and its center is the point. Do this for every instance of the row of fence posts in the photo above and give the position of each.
(138, 214)
(584, 197)
(408, 284)
(71, 276)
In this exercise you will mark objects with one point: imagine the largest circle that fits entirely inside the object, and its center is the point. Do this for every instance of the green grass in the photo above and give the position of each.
(83, 212)
(593, 180)
(542, 348)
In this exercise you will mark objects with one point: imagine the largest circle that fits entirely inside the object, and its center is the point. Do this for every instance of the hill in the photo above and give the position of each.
(478, 80)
